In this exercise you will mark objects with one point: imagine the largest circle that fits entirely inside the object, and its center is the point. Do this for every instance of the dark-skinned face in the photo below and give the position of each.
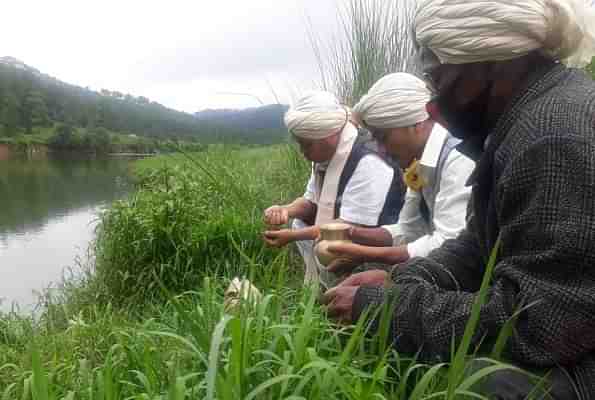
(402, 144)
(318, 150)
(462, 94)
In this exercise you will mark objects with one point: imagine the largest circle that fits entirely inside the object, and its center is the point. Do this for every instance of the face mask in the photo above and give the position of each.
(469, 121)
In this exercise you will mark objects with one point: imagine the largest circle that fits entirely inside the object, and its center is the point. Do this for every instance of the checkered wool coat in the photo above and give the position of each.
(534, 186)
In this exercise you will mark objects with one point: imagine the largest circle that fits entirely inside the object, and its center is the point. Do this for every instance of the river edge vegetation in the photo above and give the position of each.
(146, 321)
(144, 318)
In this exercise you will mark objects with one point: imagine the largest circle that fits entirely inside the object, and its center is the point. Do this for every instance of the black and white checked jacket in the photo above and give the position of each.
(534, 186)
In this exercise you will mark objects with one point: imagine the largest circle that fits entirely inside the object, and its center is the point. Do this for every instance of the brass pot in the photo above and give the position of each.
(332, 233)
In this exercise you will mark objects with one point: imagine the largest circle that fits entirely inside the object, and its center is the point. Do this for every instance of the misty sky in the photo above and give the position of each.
(184, 54)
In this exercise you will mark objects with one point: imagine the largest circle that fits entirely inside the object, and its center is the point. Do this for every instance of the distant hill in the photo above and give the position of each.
(31, 101)
(265, 117)
(18, 64)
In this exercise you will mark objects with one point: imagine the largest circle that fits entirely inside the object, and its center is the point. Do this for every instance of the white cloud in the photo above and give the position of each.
(177, 52)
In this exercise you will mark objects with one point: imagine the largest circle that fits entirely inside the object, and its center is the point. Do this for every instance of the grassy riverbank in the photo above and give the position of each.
(148, 321)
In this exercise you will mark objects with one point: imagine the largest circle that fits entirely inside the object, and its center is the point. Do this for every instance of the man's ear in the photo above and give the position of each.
(434, 112)
(423, 127)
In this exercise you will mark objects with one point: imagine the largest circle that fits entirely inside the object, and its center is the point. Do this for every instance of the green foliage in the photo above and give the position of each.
(34, 111)
(98, 139)
(98, 338)
(63, 137)
(30, 100)
(375, 40)
(9, 113)
(591, 68)
(182, 222)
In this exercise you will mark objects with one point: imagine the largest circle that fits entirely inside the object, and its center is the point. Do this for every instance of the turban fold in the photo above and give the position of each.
(468, 31)
(317, 115)
(395, 101)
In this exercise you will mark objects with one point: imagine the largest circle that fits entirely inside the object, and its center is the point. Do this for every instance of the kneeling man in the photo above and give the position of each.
(350, 181)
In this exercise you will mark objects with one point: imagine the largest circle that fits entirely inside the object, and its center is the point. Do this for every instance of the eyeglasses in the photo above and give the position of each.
(440, 79)
(378, 134)
(430, 83)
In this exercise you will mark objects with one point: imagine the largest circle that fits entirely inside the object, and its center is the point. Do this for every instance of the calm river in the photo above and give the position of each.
(48, 213)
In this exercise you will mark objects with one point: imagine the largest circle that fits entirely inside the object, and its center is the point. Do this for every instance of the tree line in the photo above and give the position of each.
(31, 102)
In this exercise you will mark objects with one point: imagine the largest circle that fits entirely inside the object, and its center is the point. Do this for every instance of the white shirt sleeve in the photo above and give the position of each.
(450, 207)
(411, 224)
(366, 191)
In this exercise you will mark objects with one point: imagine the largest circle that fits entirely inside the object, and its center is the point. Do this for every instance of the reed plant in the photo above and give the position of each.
(374, 39)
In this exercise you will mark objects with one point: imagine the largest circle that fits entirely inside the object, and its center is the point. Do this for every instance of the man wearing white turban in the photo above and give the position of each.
(394, 111)
(350, 181)
(502, 85)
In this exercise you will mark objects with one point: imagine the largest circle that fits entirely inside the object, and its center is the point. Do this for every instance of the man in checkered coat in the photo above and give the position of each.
(499, 69)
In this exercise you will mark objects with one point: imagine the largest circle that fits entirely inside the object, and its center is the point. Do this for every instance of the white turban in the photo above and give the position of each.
(317, 115)
(467, 31)
(395, 101)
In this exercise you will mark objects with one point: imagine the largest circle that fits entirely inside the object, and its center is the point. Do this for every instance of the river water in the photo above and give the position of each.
(49, 209)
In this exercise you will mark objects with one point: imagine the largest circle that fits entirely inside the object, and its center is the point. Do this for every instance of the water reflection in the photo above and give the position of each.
(48, 212)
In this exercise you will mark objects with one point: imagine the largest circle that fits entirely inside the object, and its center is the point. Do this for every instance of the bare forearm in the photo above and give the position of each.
(388, 255)
(371, 236)
(309, 233)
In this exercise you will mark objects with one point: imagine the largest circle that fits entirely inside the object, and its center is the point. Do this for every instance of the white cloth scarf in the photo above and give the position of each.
(395, 101)
(317, 115)
(468, 31)
(327, 190)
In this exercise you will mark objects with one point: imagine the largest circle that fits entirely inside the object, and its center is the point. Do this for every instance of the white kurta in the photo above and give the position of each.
(450, 204)
(362, 204)
(365, 193)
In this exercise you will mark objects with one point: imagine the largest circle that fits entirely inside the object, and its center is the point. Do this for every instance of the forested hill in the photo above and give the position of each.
(31, 101)
(270, 116)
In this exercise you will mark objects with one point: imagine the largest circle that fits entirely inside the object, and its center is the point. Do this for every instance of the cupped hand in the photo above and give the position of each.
(278, 238)
(375, 277)
(339, 300)
(276, 215)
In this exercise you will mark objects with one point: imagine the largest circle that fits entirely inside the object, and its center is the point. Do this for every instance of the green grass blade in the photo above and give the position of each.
(458, 364)
(214, 356)
(424, 383)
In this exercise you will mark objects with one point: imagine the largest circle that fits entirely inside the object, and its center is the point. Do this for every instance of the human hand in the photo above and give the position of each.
(339, 300)
(375, 277)
(278, 238)
(276, 215)
(349, 256)
(343, 266)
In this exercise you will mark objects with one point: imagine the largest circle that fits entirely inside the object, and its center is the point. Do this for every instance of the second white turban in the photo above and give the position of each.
(395, 101)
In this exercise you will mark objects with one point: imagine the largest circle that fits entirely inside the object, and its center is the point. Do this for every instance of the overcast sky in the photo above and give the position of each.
(184, 54)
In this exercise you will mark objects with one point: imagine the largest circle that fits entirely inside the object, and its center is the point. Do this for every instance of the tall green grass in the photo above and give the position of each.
(154, 326)
(189, 216)
(283, 347)
(374, 39)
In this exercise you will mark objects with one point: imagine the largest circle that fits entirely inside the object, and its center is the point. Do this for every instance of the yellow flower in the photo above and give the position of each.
(413, 179)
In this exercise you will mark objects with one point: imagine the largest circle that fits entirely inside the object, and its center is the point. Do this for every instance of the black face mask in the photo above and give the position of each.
(470, 123)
